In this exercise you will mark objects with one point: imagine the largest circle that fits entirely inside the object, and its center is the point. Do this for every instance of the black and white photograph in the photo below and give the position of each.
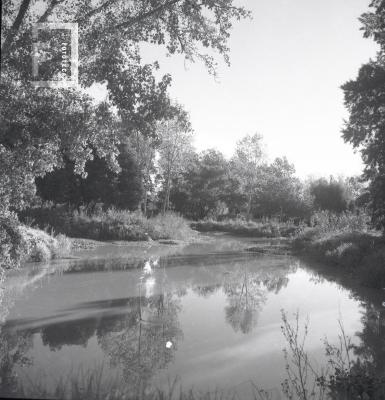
(192, 200)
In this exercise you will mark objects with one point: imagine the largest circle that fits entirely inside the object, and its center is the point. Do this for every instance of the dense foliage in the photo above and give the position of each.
(331, 196)
(101, 185)
(365, 101)
(41, 128)
(12, 246)
(88, 149)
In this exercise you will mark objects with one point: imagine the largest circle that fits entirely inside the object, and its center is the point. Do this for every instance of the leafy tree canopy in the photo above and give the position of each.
(42, 127)
(365, 101)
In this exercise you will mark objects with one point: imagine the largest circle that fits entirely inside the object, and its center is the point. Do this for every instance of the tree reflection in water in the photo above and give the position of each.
(13, 350)
(137, 342)
(139, 334)
(371, 349)
(246, 293)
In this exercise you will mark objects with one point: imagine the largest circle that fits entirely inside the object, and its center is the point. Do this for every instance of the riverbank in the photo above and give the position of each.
(112, 224)
(269, 229)
(21, 243)
(69, 231)
(87, 244)
(358, 254)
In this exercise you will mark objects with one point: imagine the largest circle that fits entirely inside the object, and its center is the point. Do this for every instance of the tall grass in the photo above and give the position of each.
(113, 224)
(346, 376)
(94, 384)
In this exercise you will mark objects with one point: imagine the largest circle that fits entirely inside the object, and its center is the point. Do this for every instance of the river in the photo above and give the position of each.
(206, 316)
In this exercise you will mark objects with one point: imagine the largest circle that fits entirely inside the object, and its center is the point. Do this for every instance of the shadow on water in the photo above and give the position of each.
(193, 313)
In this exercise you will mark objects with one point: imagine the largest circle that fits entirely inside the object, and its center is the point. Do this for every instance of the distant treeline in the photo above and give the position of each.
(167, 174)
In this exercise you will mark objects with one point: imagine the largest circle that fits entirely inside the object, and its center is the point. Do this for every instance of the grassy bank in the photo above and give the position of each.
(111, 224)
(347, 243)
(270, 229)
(20, 243)
(40, 246)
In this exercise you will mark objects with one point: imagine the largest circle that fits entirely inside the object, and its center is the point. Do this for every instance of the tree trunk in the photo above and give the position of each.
(145, 203)
(14, 29)
(248, 210)
(166, 198)
(167, 194)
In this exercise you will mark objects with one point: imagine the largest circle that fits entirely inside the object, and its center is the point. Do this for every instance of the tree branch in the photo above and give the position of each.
(145, 15)
(49, 10)
(14, 28)
(105, 5)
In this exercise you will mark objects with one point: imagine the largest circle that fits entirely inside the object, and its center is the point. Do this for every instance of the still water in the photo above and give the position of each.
(205, 315)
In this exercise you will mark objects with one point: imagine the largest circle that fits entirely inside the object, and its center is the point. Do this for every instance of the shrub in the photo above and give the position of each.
(346, 241)
(39, 252)
(169, 226)
(21, 243)
(326, 222)
(12, 245)
(40, 246)
(62, 246)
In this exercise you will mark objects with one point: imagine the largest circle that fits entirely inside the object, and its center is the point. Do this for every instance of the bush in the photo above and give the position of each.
(12, 245)
(326, 222)
(40, 246)
(346, 241)
(39, 252)
(21, 243)
(169, 226)
(61, 246)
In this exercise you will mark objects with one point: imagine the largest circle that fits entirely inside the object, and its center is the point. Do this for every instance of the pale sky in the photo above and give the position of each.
(287, 66)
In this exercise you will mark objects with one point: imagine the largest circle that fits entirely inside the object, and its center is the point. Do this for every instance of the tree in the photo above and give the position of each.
(144, 149)
(280, 193)
(121, 189)
(41, 126)
(331, 196)
(246, 166)
(200, 189)
(365, 101)
(175, 145)
(110, 30)
(38, 131)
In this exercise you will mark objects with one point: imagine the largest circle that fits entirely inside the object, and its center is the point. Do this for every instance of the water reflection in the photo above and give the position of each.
(136, 314)
(245, 297)
(371, 349)
(137, 342)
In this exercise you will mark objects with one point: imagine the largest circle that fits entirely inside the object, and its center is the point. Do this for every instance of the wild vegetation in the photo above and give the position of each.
(57, 132)
(348, 242)
(22, 243)
(114, 170)
(112, 224)
(269, 228)
(125, 168)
